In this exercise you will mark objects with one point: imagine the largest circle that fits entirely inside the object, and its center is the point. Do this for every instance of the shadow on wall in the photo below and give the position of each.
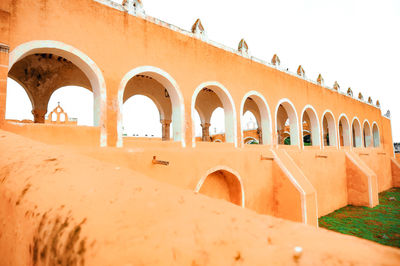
(224, 185)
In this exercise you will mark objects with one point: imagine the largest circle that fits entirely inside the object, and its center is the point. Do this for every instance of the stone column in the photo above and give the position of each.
(205, 132)
(39, 115)
(279, 134)
(4, 52)
(259, 132)
(166, 125)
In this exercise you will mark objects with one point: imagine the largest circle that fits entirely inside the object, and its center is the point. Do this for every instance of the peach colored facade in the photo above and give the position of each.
(119, 49)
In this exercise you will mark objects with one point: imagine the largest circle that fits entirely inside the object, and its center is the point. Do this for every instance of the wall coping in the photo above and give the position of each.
(203, 38)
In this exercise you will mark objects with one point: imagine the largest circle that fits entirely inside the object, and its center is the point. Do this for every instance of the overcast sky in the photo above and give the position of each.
(356, 42)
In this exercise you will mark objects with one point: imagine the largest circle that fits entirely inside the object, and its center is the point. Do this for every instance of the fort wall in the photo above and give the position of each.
(111, 47)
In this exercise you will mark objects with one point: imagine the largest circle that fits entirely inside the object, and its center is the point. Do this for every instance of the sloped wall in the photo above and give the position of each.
(326, 170)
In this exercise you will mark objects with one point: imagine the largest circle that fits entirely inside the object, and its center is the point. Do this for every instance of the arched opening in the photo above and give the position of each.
(375, 135)
(286, 123)
(162, 89)
(309, 122)
(216, 127)
(141, 118)
(250, 129)
(256, 118)
(328, 129)
(211, 99)
(356, 133)
(18, 103)
(367, 134)
(76, 103)
(41, 67)
(250, 140)
(222, 184)
(344, 131)
(197, 125)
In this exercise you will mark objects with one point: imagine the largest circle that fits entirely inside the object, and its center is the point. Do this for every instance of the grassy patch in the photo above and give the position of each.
(380, 224)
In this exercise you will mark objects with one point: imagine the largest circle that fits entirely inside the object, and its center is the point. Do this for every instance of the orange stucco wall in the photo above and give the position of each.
(117, 43)
(75, 22)
(56, 134)
(188, 166)
(328, 176)
(395, 164)
(379, 162)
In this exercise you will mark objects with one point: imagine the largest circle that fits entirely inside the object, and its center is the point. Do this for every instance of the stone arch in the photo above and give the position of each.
(84, 63)
(367, 136)
(356, 133)
(263, 115)
(328, 123)
(375, 135)
(226, 103)
(226, 180)
(285, 110)
(248, 139)
(171, 87)
(344, 131)
(159, 106)
(309, 111)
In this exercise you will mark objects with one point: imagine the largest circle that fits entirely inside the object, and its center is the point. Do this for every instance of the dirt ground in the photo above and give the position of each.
(60, 207)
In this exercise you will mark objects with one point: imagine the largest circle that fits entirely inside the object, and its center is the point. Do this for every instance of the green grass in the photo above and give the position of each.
(380, 224)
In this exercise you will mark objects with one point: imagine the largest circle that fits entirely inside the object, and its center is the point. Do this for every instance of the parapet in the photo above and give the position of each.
(135, 8)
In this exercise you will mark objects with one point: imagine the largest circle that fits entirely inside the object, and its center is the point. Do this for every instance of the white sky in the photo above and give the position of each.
(356, 42)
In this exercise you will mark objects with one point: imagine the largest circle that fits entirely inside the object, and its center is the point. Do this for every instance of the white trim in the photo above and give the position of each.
(370, 199)
(228, 106)
(296, 184)
(84, 63)
(313, 138)
(308, 181)
(249, 138)
(268, 140)
(349, 129)
(296, 124)
(224, 168)
(177, 102)
(327, 111)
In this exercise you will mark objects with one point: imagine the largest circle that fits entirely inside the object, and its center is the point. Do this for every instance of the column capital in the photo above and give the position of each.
(205, 125)
(39, 115)
(165, 121)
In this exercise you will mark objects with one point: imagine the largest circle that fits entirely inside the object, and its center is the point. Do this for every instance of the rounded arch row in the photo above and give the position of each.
(323, 131)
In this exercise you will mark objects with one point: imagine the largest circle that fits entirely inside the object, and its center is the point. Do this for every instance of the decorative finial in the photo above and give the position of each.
(301, 72)
(198, 28)
(336, 86)
(275, 60)
(350, 92)
(134, 7)
(378, 104)
(320, 80)
(360, 96)
(243, 47)
(369, 100)
(387, 114)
